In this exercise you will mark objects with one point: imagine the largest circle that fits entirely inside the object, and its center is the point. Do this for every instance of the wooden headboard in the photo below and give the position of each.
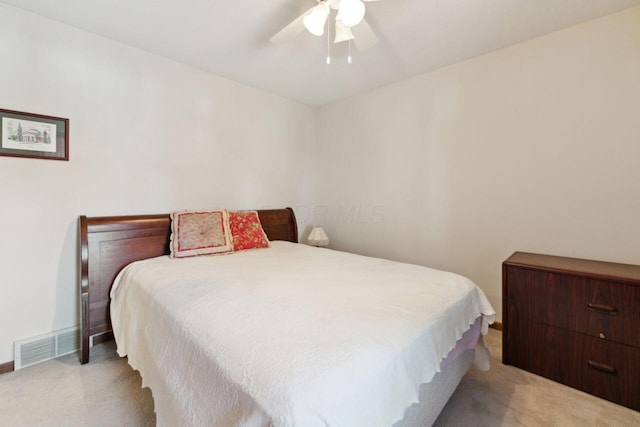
(108, 244)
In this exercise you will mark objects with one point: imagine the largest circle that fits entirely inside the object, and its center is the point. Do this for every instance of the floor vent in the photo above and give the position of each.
(45, 347)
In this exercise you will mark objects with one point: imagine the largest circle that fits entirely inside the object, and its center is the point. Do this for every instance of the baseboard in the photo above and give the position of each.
(496, 325)
(6, 367)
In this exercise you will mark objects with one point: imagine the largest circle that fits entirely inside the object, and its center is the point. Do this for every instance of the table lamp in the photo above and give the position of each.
(318, 237)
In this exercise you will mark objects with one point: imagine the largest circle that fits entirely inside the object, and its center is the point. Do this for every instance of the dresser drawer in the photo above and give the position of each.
(599, 367)
(594, 307)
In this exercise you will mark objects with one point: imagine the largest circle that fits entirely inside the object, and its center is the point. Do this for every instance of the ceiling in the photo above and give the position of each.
(230, 38)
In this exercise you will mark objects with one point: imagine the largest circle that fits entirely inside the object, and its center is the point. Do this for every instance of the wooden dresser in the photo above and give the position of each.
(574, 321)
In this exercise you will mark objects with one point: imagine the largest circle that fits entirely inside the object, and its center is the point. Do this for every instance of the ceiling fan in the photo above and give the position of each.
(349, 23)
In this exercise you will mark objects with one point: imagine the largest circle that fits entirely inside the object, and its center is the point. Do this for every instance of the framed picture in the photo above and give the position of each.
(33, 135)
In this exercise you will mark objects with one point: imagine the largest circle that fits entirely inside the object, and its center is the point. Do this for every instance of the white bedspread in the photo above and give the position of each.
(288, 336)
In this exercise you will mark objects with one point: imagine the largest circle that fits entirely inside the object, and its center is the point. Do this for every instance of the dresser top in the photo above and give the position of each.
(575, 266)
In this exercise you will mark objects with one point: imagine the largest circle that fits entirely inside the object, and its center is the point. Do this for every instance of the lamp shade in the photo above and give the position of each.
(314, 21)
(318, 237)
(343, 33)
(351, 12)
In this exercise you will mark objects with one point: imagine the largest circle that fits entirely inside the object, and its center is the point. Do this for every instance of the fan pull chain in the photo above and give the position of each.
(349, 61)
(328, 43)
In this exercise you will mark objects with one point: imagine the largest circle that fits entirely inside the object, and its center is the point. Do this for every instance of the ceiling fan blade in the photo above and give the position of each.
(291, 31)
(364, 37)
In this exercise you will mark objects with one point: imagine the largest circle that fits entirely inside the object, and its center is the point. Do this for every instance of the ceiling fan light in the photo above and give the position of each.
(315, 20)
(351, 12)
(343, 33)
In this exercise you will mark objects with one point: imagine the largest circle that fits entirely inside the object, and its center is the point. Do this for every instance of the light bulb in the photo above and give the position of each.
(351, 12)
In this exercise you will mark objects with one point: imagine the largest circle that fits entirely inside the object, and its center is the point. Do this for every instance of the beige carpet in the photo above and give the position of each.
(61, 392)
(106, 392)
(508, 396)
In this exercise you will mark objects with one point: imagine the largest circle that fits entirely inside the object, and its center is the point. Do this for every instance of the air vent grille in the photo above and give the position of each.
(45, 347)
(68, 342)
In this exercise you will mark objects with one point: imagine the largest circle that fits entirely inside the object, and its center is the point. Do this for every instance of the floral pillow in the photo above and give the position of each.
(246, 231)
(199, 233)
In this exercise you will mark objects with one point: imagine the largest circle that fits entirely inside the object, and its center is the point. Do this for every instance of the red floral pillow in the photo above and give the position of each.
(246, 230)
(199, 233)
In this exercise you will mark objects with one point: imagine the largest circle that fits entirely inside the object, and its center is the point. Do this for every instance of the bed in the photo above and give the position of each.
(274, 336)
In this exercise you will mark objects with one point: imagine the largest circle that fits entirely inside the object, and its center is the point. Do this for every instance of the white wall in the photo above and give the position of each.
(148, 135)
(531, 148)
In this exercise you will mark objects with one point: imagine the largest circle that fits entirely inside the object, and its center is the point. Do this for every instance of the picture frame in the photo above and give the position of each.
(34, 136)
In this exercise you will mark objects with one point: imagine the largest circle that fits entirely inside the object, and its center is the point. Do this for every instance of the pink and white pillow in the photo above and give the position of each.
(200, 233)
(246, 231)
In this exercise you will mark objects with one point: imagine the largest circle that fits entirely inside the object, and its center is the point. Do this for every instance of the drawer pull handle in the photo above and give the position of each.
(603, 308)
(608, 369)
